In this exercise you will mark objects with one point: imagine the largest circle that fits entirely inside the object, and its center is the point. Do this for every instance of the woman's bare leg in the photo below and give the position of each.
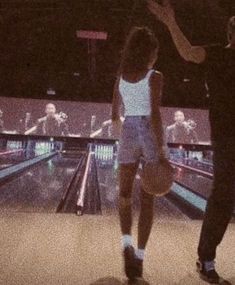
(126, 176)
(145, 219)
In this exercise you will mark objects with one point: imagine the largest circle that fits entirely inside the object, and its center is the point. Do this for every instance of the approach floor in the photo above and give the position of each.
(49, 249)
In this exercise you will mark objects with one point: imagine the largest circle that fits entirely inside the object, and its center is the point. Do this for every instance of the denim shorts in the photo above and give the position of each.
(137, 141)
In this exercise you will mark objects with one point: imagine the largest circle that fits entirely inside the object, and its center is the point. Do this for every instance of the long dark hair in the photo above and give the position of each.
(139, 47)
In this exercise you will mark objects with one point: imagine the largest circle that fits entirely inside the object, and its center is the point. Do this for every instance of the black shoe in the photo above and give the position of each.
(129, 262)
(138, 268)
(210, 276)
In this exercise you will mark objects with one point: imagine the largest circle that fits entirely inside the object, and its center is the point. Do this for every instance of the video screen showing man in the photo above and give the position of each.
(181, 131)
(53, 124)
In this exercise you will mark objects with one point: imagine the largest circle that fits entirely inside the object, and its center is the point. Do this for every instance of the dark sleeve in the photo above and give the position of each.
(214, 55)
(38, 125)
(65, 128)
(194, 136)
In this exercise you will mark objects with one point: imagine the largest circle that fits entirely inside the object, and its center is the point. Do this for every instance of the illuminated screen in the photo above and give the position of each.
(82, 119)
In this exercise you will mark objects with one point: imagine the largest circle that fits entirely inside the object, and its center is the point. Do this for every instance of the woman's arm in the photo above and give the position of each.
(116, 119)
(116, 102)
(156, 85)
(188, 52)
(165, 14)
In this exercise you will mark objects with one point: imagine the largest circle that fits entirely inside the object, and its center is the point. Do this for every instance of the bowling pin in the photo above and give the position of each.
(96, 151)
(110, 152)
(105, 152)
(99, 152)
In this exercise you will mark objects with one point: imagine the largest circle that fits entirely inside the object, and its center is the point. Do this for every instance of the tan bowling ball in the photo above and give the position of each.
(157, 177)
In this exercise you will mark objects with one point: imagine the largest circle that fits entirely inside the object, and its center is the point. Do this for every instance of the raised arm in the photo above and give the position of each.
(165, 14)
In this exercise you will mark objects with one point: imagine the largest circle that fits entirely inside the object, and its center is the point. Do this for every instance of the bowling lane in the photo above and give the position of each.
(40, 188)
(109, 189)
(194, 181)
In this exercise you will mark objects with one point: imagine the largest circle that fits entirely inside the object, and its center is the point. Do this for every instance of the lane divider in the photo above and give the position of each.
(80, 202)
(193, 199)
(70, 185)
(198, 171)
(14, 169)
(11, 151)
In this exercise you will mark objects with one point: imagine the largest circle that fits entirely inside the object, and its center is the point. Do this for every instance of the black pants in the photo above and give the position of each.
(221, 202)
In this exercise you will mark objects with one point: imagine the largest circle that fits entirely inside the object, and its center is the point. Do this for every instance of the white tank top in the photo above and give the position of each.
(136, 96)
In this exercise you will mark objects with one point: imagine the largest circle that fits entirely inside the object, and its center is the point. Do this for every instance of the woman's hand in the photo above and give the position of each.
(117, 127)
(164, 12)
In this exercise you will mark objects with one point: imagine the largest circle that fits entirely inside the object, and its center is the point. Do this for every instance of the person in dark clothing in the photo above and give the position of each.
(181, 131)
(1, 122)
(52, 124)
(219, 63)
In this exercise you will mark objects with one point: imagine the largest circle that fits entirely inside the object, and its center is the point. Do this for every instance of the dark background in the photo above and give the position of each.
(39, 48)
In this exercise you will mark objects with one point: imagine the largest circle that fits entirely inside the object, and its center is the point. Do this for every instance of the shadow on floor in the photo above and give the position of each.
(190, 278)
(115, 281)
(230, 281)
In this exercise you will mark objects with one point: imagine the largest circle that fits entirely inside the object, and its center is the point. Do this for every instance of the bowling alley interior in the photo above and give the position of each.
(60, 149)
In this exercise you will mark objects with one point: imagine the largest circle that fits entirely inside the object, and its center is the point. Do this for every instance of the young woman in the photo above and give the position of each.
(139, 88)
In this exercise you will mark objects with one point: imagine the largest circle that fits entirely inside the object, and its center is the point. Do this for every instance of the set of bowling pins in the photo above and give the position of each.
(196, 154)
(43, 147)
(104, 152)
(14, 145)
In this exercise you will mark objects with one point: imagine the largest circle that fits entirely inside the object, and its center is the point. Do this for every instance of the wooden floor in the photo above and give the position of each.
(65, 249)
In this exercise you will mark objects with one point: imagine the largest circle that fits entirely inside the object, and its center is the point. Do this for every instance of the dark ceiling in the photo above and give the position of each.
(39, 48)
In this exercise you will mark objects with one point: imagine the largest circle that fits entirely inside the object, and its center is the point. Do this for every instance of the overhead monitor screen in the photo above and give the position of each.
(82, 119)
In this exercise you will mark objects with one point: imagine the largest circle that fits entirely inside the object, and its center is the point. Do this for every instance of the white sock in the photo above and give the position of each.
(140, 253)
(209, 265)
(126, 241)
